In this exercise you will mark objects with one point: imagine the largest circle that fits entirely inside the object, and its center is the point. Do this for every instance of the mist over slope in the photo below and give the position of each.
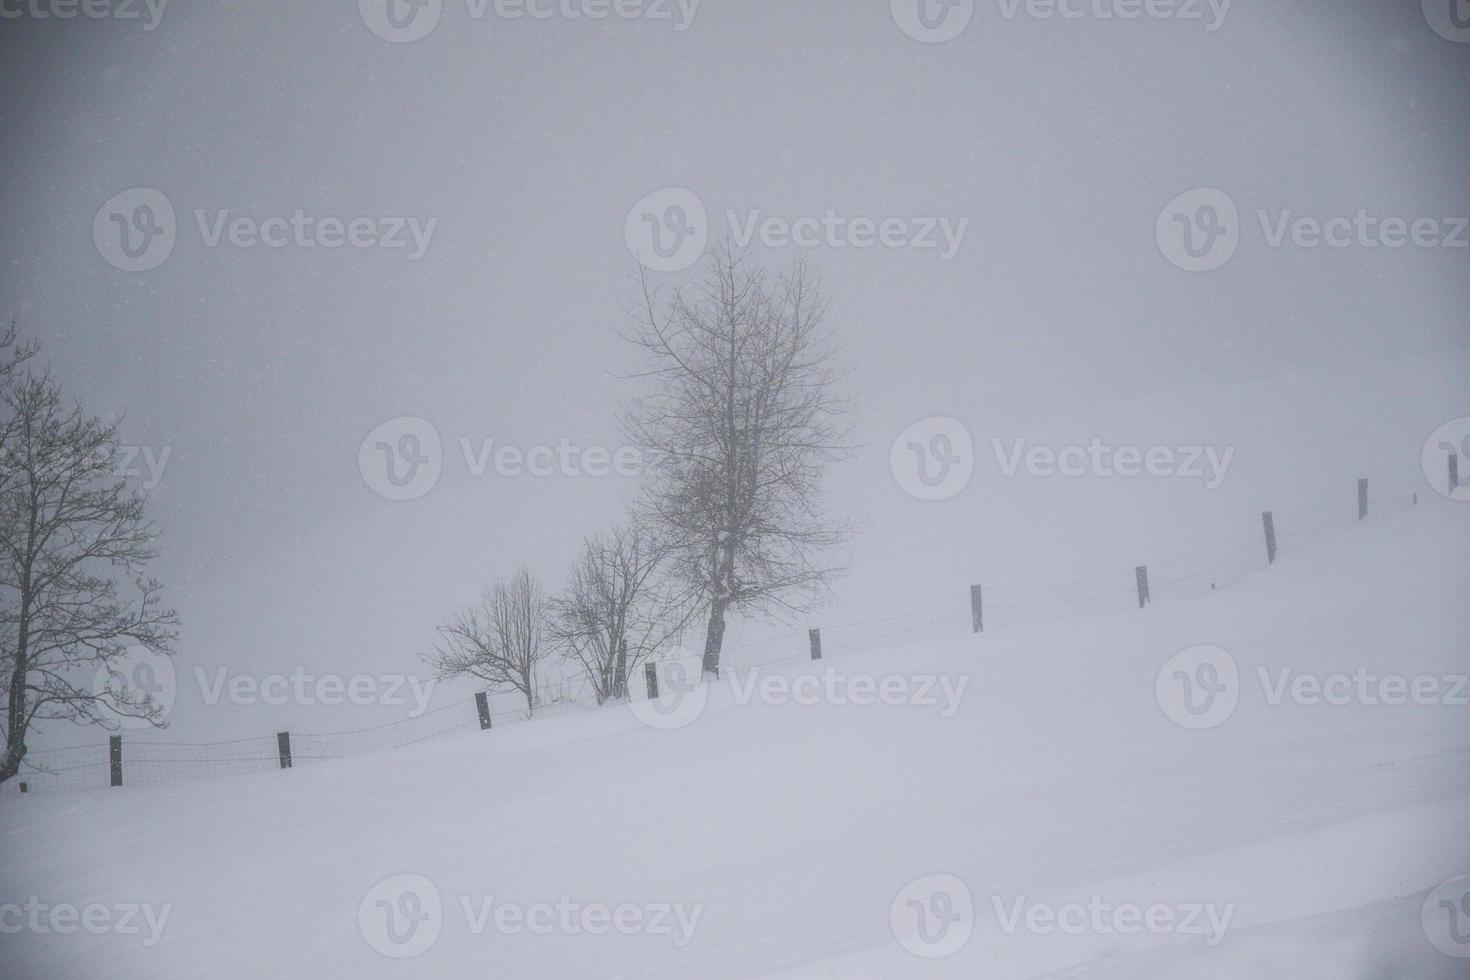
(1294, 439)
(736, 806)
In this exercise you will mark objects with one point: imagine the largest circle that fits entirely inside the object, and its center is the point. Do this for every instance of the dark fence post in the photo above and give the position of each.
(650, 677)
(23, 787)
(114, 757)
(1362, 498)
(977, 610)
(482, 705)
(814, 640)
(1270, 525)
(283, 748)
(1141, 573)
(1454, 472)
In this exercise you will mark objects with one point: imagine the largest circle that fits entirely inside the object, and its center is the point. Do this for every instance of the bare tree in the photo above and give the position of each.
(500, 639)
(615, 613)
(74, 541)
(743, 418)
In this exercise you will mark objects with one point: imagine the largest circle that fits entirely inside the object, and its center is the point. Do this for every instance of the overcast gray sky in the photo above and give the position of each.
(1059, 141)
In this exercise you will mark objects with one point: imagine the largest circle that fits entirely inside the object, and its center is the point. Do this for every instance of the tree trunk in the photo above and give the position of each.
(15, 727)
(714, 638)
(620, 672)
(10, 765)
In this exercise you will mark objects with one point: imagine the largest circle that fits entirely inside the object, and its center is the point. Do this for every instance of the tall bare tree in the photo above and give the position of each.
(616, 612)
(743, 417)
(74, 541)
(500, 639)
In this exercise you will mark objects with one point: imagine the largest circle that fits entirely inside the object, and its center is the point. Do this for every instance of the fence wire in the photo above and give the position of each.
(1207, 569)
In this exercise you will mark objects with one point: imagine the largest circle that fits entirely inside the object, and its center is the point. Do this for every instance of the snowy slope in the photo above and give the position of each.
(790, 829)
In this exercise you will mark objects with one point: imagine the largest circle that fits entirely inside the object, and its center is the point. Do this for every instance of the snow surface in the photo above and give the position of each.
(793, 827)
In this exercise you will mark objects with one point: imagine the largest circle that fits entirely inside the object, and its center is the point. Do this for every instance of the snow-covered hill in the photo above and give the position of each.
(1030, 802)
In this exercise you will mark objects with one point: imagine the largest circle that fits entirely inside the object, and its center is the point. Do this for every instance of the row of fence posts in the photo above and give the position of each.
(1268, 525)
(115, 757)
(814, 636)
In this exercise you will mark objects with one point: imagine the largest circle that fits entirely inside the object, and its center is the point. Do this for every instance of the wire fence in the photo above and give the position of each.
(123, 760)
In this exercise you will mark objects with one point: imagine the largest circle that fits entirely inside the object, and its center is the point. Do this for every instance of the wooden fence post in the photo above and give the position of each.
(977, 610)
(114, 758)
(283, 748)
(1362, 498)
(814, 640)
(482, 706)
(1270, 525)
(650, 677)
(1141, 573)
